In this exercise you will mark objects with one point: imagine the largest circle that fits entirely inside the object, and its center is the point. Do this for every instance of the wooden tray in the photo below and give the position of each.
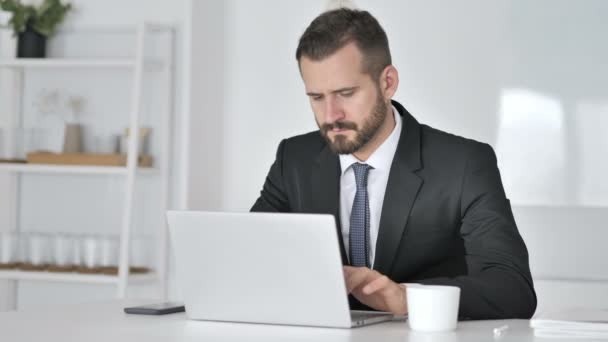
(84, 159)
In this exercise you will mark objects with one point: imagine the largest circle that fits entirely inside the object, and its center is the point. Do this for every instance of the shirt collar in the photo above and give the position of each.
(382, 157)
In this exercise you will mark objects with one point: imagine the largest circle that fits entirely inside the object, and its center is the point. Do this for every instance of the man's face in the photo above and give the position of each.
(348, 105)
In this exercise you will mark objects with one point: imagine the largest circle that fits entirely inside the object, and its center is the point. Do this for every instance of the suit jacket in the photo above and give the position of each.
(445, 218)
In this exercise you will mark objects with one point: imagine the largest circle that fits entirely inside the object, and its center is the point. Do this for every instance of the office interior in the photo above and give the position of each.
(527, 77)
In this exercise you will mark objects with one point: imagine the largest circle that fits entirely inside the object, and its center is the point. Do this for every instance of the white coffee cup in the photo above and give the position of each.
(432, 308)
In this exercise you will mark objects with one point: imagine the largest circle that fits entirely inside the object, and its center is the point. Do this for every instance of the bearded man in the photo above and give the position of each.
(412, 204)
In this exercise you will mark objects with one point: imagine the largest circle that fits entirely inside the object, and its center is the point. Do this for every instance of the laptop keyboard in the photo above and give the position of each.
(363, 315)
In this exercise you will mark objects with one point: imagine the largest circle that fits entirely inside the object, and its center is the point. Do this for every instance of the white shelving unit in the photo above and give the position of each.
(138, 66)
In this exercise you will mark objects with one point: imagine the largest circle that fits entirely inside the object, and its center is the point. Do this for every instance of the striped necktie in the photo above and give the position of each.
(359, 219)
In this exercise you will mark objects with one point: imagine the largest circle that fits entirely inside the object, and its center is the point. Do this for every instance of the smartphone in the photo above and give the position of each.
(156, 309)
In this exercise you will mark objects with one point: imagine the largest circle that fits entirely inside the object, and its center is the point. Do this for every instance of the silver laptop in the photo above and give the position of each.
(262, 268)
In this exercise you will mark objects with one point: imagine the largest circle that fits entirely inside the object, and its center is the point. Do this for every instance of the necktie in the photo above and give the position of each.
(359, 219)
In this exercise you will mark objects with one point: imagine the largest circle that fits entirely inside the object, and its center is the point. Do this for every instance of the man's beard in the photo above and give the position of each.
(342, 144)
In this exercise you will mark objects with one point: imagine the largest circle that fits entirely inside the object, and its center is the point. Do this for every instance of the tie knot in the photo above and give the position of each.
(361, 172)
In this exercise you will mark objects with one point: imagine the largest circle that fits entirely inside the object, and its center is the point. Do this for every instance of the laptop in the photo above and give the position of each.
(263, 268)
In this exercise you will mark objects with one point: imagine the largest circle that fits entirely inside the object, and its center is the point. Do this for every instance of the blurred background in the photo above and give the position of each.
(528, 77)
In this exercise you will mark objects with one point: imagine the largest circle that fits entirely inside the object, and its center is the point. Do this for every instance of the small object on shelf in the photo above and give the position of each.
(34, 23)
(108, 251)
(90, 253)
(62, 253)
(9, 243)
(35, 255)
(84, 159)
(57, 124)
(143, 137)
(31, 44)
(72, 142)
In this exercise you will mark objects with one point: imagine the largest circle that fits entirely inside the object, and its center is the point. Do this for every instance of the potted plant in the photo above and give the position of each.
(34, 23)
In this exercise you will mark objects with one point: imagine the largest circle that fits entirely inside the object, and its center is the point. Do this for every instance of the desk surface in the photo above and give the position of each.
(107, 322)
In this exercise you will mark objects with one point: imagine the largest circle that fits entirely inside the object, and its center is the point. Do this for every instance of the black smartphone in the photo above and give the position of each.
(156, 309)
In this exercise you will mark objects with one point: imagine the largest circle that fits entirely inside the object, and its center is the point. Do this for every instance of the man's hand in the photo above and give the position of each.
(375, 290)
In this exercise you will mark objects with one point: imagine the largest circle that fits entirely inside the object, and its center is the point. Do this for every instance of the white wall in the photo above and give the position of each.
(206, 104)
(246, 95)
(527, 77)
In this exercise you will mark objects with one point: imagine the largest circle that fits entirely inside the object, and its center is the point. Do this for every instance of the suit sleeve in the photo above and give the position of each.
(273, 197)
(498, 283)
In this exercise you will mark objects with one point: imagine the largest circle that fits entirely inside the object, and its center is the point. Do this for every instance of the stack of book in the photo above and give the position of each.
(572, 324)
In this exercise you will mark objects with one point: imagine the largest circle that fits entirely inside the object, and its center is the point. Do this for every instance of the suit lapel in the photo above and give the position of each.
(401, 191)
(325, 181)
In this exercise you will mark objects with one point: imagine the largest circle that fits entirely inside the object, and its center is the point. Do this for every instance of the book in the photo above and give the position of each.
(571, 324)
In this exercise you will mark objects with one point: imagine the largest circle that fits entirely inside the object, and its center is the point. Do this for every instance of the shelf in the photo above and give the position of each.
(72, 277)
(75, 63)
(72, 169)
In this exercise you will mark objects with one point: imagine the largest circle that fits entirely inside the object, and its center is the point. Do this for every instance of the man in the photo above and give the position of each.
(412, 204)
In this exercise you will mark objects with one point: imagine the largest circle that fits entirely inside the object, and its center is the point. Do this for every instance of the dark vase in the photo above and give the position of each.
(31, 44)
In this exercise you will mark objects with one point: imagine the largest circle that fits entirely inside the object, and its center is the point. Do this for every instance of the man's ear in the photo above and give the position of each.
(389, 81)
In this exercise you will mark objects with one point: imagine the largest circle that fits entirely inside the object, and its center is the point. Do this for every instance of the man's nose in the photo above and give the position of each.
(333, 111)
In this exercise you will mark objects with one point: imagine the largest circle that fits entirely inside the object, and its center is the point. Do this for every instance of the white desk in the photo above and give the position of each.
(106, 322)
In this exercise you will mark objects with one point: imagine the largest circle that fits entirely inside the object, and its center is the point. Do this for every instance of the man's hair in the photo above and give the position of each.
(334, 29)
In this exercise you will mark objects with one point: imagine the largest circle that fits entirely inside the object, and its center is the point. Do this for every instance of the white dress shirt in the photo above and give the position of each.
(381, 160)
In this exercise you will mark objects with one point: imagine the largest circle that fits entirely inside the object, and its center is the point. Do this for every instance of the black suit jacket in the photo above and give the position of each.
(445, 218)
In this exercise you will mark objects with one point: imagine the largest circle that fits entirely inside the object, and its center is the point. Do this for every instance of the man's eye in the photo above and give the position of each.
(347, 93)
(317, 97)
